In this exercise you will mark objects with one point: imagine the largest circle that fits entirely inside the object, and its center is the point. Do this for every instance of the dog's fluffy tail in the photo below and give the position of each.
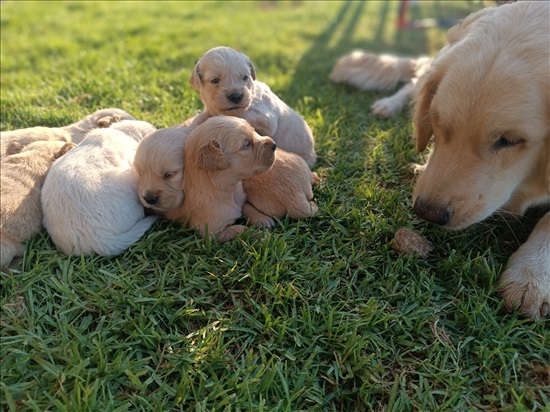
(379, 72)
(117, 243)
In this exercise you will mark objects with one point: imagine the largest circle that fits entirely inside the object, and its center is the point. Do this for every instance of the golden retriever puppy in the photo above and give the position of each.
(219, 154)
(22, 178)
(381, 72)
(285, 189)
(90, 198)
(486, 103)
(226, 80)
(72, 133)
(159, 165)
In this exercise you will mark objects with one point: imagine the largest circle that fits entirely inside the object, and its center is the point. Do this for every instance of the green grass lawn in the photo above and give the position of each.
(314, 315)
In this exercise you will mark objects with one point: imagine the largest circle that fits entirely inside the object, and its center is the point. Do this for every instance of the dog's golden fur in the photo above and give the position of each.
(486, 103)
(226, 80)
(381, 72)
(219, 154)
(72, 133)
(285, 189)
(22, 179)
(159, 164)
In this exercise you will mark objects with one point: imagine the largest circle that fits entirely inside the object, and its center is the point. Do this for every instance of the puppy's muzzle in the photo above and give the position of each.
(235, 97)
(151, 199)
(432, 212)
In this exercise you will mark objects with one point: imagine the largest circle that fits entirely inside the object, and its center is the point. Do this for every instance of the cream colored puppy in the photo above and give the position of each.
(285, 189)
(90, 198)
(382, 72)
(22, 179)
(226, 80)
(219, 154)
(159, 165)
(485, 101)
(72, 133)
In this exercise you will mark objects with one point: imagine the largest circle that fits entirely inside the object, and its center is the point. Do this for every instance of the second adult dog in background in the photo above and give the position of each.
(226, 80)
(381, 72)
(90, 201)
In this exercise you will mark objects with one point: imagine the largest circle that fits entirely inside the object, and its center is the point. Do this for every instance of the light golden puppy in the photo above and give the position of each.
(22, 179)
(72, 133)
(219, 154)
(90, 197)
(159, 164)
(285, 189)
(486, 103)
(227, 83)
(381, 72)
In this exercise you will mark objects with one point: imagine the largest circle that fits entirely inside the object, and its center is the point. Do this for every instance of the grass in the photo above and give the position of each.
(314, 315)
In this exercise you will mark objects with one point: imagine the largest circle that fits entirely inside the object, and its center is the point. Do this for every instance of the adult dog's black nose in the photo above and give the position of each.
(235, 97)
(151, 199)
(431, 212)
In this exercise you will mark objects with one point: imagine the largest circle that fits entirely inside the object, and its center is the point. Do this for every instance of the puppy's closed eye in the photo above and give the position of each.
(505, 141)
(215, 80)
(247, 144)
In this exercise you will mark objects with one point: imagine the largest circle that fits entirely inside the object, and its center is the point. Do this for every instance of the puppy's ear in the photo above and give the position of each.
(427, 87)
(107, 121)
(196, 77)
(212, 157)
(14, 148)
(64, 149)
(252, 69)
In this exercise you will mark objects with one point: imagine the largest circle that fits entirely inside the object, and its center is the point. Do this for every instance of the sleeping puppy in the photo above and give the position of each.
(72, 133)
(485, 101)
(159, 165)
(90, 201)
(227, 83)
(285, 189)
(368, 71)
(22, 178)
(219, 154)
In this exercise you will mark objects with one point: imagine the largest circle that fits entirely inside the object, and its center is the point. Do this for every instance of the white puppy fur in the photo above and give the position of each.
(227, 83)
(75, 132)
(90, 199)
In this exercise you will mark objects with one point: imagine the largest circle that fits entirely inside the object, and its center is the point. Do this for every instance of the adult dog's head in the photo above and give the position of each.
(229, 149)
(486, 103)
(225, 79)
(159, 164)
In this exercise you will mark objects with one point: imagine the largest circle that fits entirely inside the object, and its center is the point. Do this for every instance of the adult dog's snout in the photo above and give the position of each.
(432, 212)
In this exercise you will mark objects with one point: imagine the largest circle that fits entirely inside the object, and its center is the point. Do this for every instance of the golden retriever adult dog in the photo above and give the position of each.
(381, 72)
(285, 189)
(485, 101)
(219, 154)
(22, 179)
(90, 198)
(72, 133)
(159, 165)
(226, 80)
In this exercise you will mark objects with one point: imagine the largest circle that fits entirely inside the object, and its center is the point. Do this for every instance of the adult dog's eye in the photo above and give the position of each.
(215, 80)
(168, 175)
(504, 142)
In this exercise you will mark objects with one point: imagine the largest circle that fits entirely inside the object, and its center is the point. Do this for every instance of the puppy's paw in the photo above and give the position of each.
(386, 107)
(230, 232)
(525, 284)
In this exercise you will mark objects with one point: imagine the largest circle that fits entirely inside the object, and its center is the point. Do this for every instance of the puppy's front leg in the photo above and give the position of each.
(525, 285)
(229, 233)
(257, 218)
(392, 105)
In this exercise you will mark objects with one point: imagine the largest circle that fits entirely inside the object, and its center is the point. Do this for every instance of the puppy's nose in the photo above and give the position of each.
(433, 213)
(151, 199)
(273, 146)
(235, 97)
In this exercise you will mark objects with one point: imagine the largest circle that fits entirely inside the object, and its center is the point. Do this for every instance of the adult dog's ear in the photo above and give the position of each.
(196, 77)
(212, 157)
(459, 30)
(427, 87)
